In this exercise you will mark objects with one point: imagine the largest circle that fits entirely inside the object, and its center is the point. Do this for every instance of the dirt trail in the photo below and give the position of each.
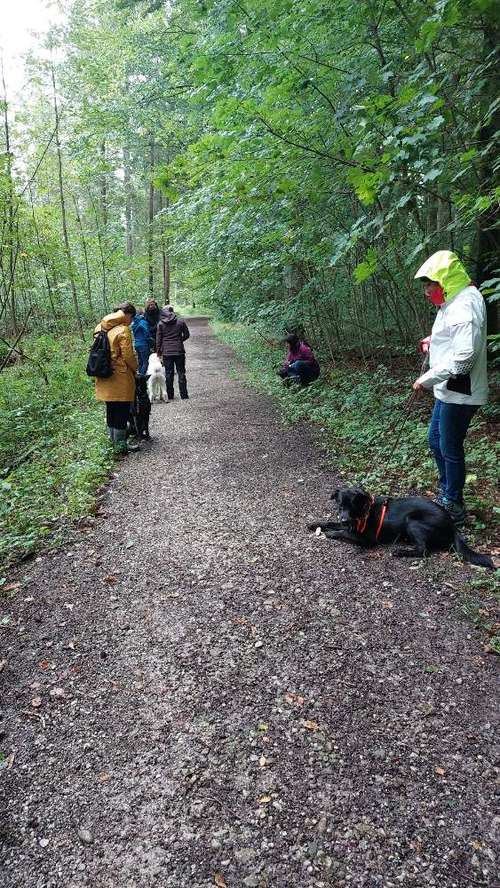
(224, 699)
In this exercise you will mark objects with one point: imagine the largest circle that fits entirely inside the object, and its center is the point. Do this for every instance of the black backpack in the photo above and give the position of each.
(99, 362)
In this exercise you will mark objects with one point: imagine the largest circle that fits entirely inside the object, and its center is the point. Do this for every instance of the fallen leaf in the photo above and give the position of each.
(309, 725)
(263, 727)
(220, 880)
(36, 702)
(44, 664)
(262, 761)
(104, 777)
(110, 580)
(294, 699)
(388, 604)
(10, 760)
(264, 800)
(57, 693)
(440, 771)
(11, 587)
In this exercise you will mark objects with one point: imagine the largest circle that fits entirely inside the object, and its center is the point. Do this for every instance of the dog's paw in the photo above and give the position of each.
(405, 553)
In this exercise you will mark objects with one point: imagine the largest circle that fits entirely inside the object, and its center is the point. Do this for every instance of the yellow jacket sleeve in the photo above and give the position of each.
(127, 350)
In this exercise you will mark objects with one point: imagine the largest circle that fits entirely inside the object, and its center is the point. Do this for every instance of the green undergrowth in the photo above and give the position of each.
(54, 452)
(480, 605)
(359, 410)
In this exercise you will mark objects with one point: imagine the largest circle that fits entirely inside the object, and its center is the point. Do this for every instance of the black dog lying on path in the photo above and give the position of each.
(367, 520)
(140, 409)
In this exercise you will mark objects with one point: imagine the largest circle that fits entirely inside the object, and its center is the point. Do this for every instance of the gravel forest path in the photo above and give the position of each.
(199, 692)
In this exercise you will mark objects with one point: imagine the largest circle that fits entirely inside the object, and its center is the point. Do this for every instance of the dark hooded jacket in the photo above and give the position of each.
(152, 316)
(171, 334)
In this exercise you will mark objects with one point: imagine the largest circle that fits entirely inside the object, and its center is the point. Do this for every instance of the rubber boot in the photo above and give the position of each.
(122, 444)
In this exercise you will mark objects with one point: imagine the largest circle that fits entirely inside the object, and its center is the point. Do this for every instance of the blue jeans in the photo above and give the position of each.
(142, 357)
(306, 371)
(447, 431)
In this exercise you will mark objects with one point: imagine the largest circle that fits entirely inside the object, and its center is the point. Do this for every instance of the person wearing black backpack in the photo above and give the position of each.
(118, 389)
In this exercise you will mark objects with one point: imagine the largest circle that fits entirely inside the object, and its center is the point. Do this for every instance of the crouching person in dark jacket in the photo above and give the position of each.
(171, 335)
(301, 365)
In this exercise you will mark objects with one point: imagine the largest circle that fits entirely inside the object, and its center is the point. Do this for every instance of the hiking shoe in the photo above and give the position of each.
(122, 448)
(439, 498)
(456, 511)
(291, 381)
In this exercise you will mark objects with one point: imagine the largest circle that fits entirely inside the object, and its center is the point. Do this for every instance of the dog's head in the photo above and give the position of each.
(353, 503)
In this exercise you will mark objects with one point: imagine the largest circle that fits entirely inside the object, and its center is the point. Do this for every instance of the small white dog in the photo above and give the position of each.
(156, 382)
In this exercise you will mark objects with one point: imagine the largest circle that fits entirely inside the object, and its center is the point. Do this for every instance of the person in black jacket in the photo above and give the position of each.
(152, 315)
(171, 335)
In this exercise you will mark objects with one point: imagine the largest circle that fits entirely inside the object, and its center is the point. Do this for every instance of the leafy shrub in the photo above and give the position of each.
(53, 448)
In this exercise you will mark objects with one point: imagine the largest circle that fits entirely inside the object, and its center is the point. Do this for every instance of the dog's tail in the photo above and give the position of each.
(469, 555)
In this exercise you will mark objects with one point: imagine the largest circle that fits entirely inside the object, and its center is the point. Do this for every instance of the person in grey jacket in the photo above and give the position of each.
(457, 370)
(171, 335)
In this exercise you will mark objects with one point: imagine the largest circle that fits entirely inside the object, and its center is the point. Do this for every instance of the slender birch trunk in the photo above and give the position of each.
(67, 248)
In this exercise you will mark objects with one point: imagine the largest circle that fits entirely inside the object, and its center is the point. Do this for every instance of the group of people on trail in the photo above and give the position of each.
(456, 350)
(133, 336)
(457, 369)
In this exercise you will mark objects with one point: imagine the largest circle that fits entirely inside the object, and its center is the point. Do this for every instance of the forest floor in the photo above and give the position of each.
(198, 692)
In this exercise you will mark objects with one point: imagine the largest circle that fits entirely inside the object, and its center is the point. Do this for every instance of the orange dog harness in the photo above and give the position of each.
(362, 522)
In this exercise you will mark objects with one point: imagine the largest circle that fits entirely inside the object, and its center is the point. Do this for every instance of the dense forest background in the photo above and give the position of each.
(283, 163)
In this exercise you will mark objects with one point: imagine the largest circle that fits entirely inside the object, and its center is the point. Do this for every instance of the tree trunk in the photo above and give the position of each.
(101, 250)
(85, 255)
(488, 240)
(67, 248)
(128, 201)
(165, 261)
(104, 188)
(11, 289)
(42, 258)
(151, 216)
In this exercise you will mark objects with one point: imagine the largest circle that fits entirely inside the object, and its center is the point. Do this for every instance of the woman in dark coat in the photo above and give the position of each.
(152, 315)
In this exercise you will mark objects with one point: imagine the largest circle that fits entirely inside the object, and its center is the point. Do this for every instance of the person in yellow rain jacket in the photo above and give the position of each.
(457, 369)
(118, 390)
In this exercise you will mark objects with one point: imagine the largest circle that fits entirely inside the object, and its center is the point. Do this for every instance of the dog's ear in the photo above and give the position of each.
(360, 499)
(335, 494)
